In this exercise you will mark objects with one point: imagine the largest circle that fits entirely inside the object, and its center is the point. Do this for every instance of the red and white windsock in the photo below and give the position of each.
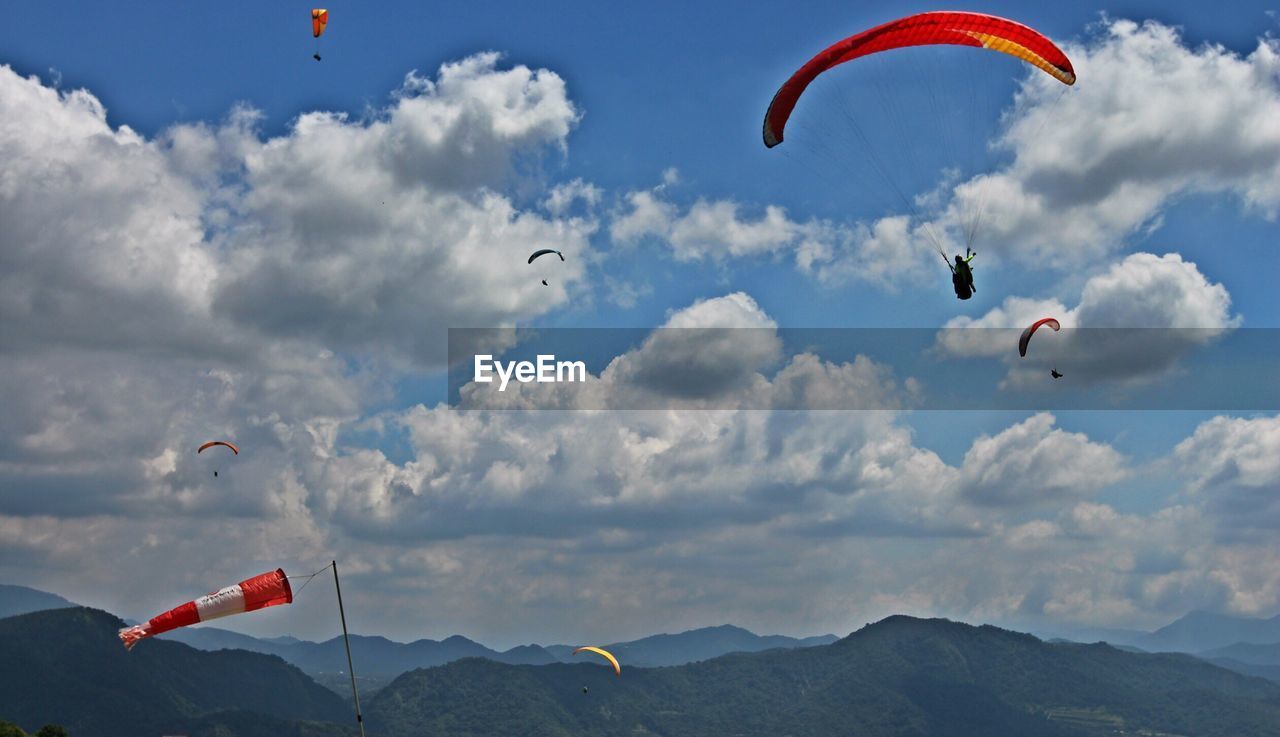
(267, 589)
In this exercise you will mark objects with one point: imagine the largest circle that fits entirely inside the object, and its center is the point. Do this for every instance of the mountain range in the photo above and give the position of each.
(378, 659)
(901, 677)
(15, 600)
(1197, 632)
(67, 666)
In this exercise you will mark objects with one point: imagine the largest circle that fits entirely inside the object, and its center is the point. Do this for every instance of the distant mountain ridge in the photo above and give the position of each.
(382, 659)
(379, 659)
(1196, 632)
(1249, 646)
(704, 643)
(1199, 631)
(901, 677)
(15, 600)
(1247, 652)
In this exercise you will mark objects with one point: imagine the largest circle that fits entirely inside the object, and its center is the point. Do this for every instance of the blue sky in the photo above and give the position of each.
(247, 262)
(662, 85)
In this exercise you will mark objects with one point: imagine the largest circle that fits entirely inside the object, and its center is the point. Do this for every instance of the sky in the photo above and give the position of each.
(209, 235)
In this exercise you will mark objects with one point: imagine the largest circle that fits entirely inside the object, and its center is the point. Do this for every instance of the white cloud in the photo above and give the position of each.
(886, 253)
(1233, 466)
(563, 196)
(1134, 321)
(349, 234)
(1033, 463)
(208, 283)
(1150, 118)
(715, 230)
(648, 216)
(719, 353)
(97, 226)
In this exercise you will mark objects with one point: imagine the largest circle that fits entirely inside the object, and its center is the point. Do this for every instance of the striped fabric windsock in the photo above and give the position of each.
(264, 590)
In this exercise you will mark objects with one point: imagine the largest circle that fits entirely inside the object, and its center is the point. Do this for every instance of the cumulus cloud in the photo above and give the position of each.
(1233, 465)
(564, 196)
(1150, 119)
(350, 233)
(1134, 321)
(361, 233)
(884, 252)
(157, 293)
(719, 353)
(98, 225)
(209, 283)
(1033, 462)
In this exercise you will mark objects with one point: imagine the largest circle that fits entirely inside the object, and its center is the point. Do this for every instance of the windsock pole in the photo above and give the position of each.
(355, 695)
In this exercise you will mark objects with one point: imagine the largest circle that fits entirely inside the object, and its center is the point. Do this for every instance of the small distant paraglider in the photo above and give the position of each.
(1025, 340)
(544, 252)
(319, 19)
(617, 669)
(213, 443)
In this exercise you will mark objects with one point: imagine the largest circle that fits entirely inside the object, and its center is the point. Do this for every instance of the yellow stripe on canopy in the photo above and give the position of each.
(1014, 49)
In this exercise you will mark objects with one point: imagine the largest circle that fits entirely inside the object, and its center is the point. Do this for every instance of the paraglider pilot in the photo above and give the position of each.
(962, 275)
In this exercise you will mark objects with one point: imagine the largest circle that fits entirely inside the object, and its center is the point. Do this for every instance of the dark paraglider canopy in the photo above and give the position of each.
(544, 252)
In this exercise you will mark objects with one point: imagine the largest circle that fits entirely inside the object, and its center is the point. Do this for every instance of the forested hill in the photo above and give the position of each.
(68, 667)
(900, 677)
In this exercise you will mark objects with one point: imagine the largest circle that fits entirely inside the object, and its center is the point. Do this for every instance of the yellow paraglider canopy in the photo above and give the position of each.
(600, 651)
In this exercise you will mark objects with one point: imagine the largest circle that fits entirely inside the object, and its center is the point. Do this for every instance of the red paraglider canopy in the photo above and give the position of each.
(1026, 334)
(212, 443)
(923, 29)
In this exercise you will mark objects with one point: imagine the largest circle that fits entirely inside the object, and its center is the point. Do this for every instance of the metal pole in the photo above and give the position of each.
(346, 640)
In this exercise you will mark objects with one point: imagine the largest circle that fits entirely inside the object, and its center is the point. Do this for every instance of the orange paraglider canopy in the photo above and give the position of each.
(319, 19)
(212, 443)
